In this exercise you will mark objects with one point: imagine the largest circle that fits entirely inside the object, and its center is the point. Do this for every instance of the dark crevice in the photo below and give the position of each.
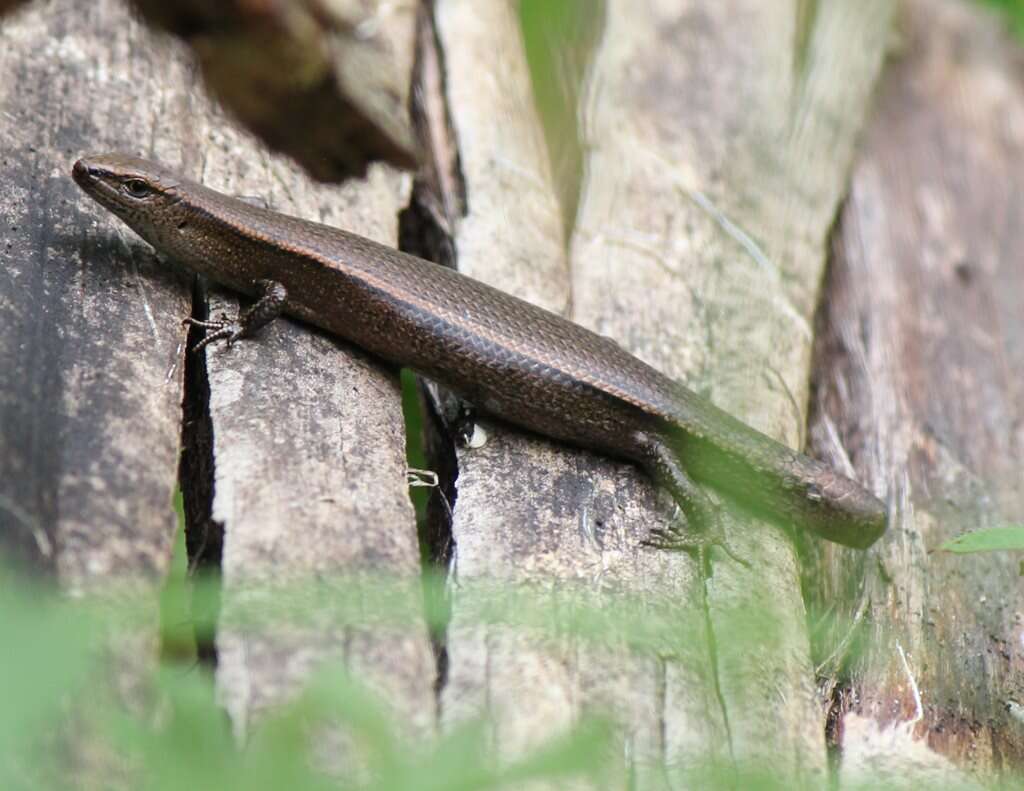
(439, 194)
(833, 579)
(838, 706)
(204, 537)
(426, 230)
(436, 533)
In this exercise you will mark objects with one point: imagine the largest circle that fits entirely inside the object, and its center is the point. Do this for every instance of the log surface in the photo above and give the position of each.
(920, 387)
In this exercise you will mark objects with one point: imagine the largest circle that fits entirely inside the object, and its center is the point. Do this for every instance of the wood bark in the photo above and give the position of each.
(920, 387)
(305, 474)
(716, 143)
(326, 83)
(713, 176)
(91, 356)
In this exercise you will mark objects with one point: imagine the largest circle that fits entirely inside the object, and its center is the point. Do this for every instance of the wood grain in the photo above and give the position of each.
(716, 155)
(307, 469)
(309, 454)
(530, 511)
(717, 144)
(91, 355)
(714, 176)
(920, 356)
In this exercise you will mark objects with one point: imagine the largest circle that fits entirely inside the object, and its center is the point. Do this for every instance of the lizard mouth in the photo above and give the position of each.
(94, 182)
(85, 175)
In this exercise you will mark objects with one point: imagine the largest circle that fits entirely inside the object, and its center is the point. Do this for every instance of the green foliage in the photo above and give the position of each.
(57, 650)
(558, 36)
(46, 657)
(176, 626)
(1014, 13)
(993, 539)
(60, 649)
(60, 652)
(192, 748)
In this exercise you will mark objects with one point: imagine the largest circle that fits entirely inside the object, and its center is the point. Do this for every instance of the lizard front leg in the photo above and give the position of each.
(268, 306)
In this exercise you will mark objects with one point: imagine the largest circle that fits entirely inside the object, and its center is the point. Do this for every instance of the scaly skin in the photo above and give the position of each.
(509, 358)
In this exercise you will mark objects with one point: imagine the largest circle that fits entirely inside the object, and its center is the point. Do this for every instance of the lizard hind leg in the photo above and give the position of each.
(698, 527)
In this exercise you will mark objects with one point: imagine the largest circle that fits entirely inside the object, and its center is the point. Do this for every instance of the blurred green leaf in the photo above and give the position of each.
(177, 635)
(992, 539)
(337, 734)
(49, 652)
(1013, 10)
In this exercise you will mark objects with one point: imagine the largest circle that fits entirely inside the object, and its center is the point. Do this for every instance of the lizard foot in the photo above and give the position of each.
(224, 329)
(267, 307)
(678, 538)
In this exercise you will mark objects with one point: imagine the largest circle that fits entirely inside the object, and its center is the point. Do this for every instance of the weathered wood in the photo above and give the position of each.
(326, 83)
(529, 510)
(90, 348)
(309, 453)
(921, 356)
(718, 138)
(307, 470)
(717, 143)
(91, 351)
(715, 173)
(308, 457)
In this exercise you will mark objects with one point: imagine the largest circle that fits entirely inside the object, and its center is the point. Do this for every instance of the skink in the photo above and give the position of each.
(511, 359)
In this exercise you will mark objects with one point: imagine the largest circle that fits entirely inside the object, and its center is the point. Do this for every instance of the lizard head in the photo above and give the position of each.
(140, 192)
(834, 506)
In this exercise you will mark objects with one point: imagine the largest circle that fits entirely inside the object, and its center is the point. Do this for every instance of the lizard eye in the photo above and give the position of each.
(136, 188)
(814, 493)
